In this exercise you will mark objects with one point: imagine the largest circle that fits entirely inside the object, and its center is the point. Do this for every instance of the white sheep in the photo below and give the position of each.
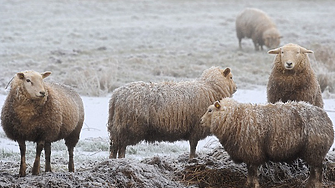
(41, 112)
(257, 25)
(166, 111)
(292, 77)
(280, 132)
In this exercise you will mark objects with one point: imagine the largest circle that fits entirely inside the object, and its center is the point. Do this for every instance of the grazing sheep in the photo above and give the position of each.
(257, 25)
(280, 132)
(166, 111)
(292, 77)
(41, 112)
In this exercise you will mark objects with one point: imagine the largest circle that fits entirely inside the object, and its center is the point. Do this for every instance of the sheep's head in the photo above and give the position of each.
(290, 55)
(222, 77)
(33, 83)
(206, 119)
(271, 38)
(229, 76)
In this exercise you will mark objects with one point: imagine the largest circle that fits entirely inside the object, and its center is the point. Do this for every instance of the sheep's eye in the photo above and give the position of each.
(209, 110)
(231, 77)
(28, 80)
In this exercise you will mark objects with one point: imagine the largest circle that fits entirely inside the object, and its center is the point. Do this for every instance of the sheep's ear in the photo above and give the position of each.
(45, 74)
(226, 72)
(217, 104)
(304, 50)
(20, 75)
(274, 51)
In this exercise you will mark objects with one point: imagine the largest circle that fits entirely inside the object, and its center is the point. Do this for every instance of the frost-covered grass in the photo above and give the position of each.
(113, 43)
(96, 46)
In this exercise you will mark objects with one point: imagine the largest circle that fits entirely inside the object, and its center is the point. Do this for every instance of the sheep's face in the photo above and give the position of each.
(290, 55)
(229, 76)
(33, 83)
(271, 38)
(206, 119)
(272, 42)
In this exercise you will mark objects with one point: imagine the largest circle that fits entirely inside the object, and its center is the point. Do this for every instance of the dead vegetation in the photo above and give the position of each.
(217, 170)
(213, 170)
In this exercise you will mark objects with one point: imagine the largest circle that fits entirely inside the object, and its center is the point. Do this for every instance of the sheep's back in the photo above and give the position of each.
(159, 111)
(252, 22)
(256, 134)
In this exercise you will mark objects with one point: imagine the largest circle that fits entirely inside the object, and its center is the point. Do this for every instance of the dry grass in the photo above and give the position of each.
(324, 65)
(217, 170)
(94, 80)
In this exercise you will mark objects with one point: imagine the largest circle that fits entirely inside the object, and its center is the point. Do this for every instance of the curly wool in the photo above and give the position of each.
(43, 113)
(50, 119)
(166, 111)
(298, 84)
(255, 134)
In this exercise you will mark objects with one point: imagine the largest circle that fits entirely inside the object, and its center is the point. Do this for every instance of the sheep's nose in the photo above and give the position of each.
(289, 63)
(42, 93)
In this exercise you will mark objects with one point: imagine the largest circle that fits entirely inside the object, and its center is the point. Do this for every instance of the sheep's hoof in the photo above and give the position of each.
(36, 171)
(22, 174)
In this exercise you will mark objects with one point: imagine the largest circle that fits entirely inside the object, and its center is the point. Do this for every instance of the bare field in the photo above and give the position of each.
(96, 46)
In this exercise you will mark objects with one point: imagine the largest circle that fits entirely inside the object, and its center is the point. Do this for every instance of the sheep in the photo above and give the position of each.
(292, 77)
(164, 111)
(43, 113)
(280, 132)
(257, 25)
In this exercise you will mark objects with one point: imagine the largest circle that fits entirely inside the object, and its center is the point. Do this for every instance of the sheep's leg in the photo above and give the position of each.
(315, 178)
(239, 43)
(23, 166)
(71, 141)
(256, 46)
(47, 150)
(254, 40)
(193, 146)
(122, 151)
(113, 150)
(71, 162)
(39, 148)
(252, 180)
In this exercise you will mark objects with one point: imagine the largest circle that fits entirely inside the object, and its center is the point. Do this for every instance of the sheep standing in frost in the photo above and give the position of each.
(292, 77)
(166, 111)
(257, 25)
(41, 112)
(280, 132)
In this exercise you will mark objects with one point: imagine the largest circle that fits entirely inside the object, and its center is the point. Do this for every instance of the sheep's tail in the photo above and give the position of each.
(10, 81)
(111, 109)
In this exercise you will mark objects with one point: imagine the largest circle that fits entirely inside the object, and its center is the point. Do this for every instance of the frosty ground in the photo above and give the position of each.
(146, 165)
(98, 45)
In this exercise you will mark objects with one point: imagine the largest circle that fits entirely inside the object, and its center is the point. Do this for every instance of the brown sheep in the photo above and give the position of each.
(41, 112)
(166, 111)
(280, 132)
(257, 25)
(292, 77)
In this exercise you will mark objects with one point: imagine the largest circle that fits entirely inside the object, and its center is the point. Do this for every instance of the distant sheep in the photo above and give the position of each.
(257, 25)
(281, 132)
(41, 112)
(292, 77)
(166, 111)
